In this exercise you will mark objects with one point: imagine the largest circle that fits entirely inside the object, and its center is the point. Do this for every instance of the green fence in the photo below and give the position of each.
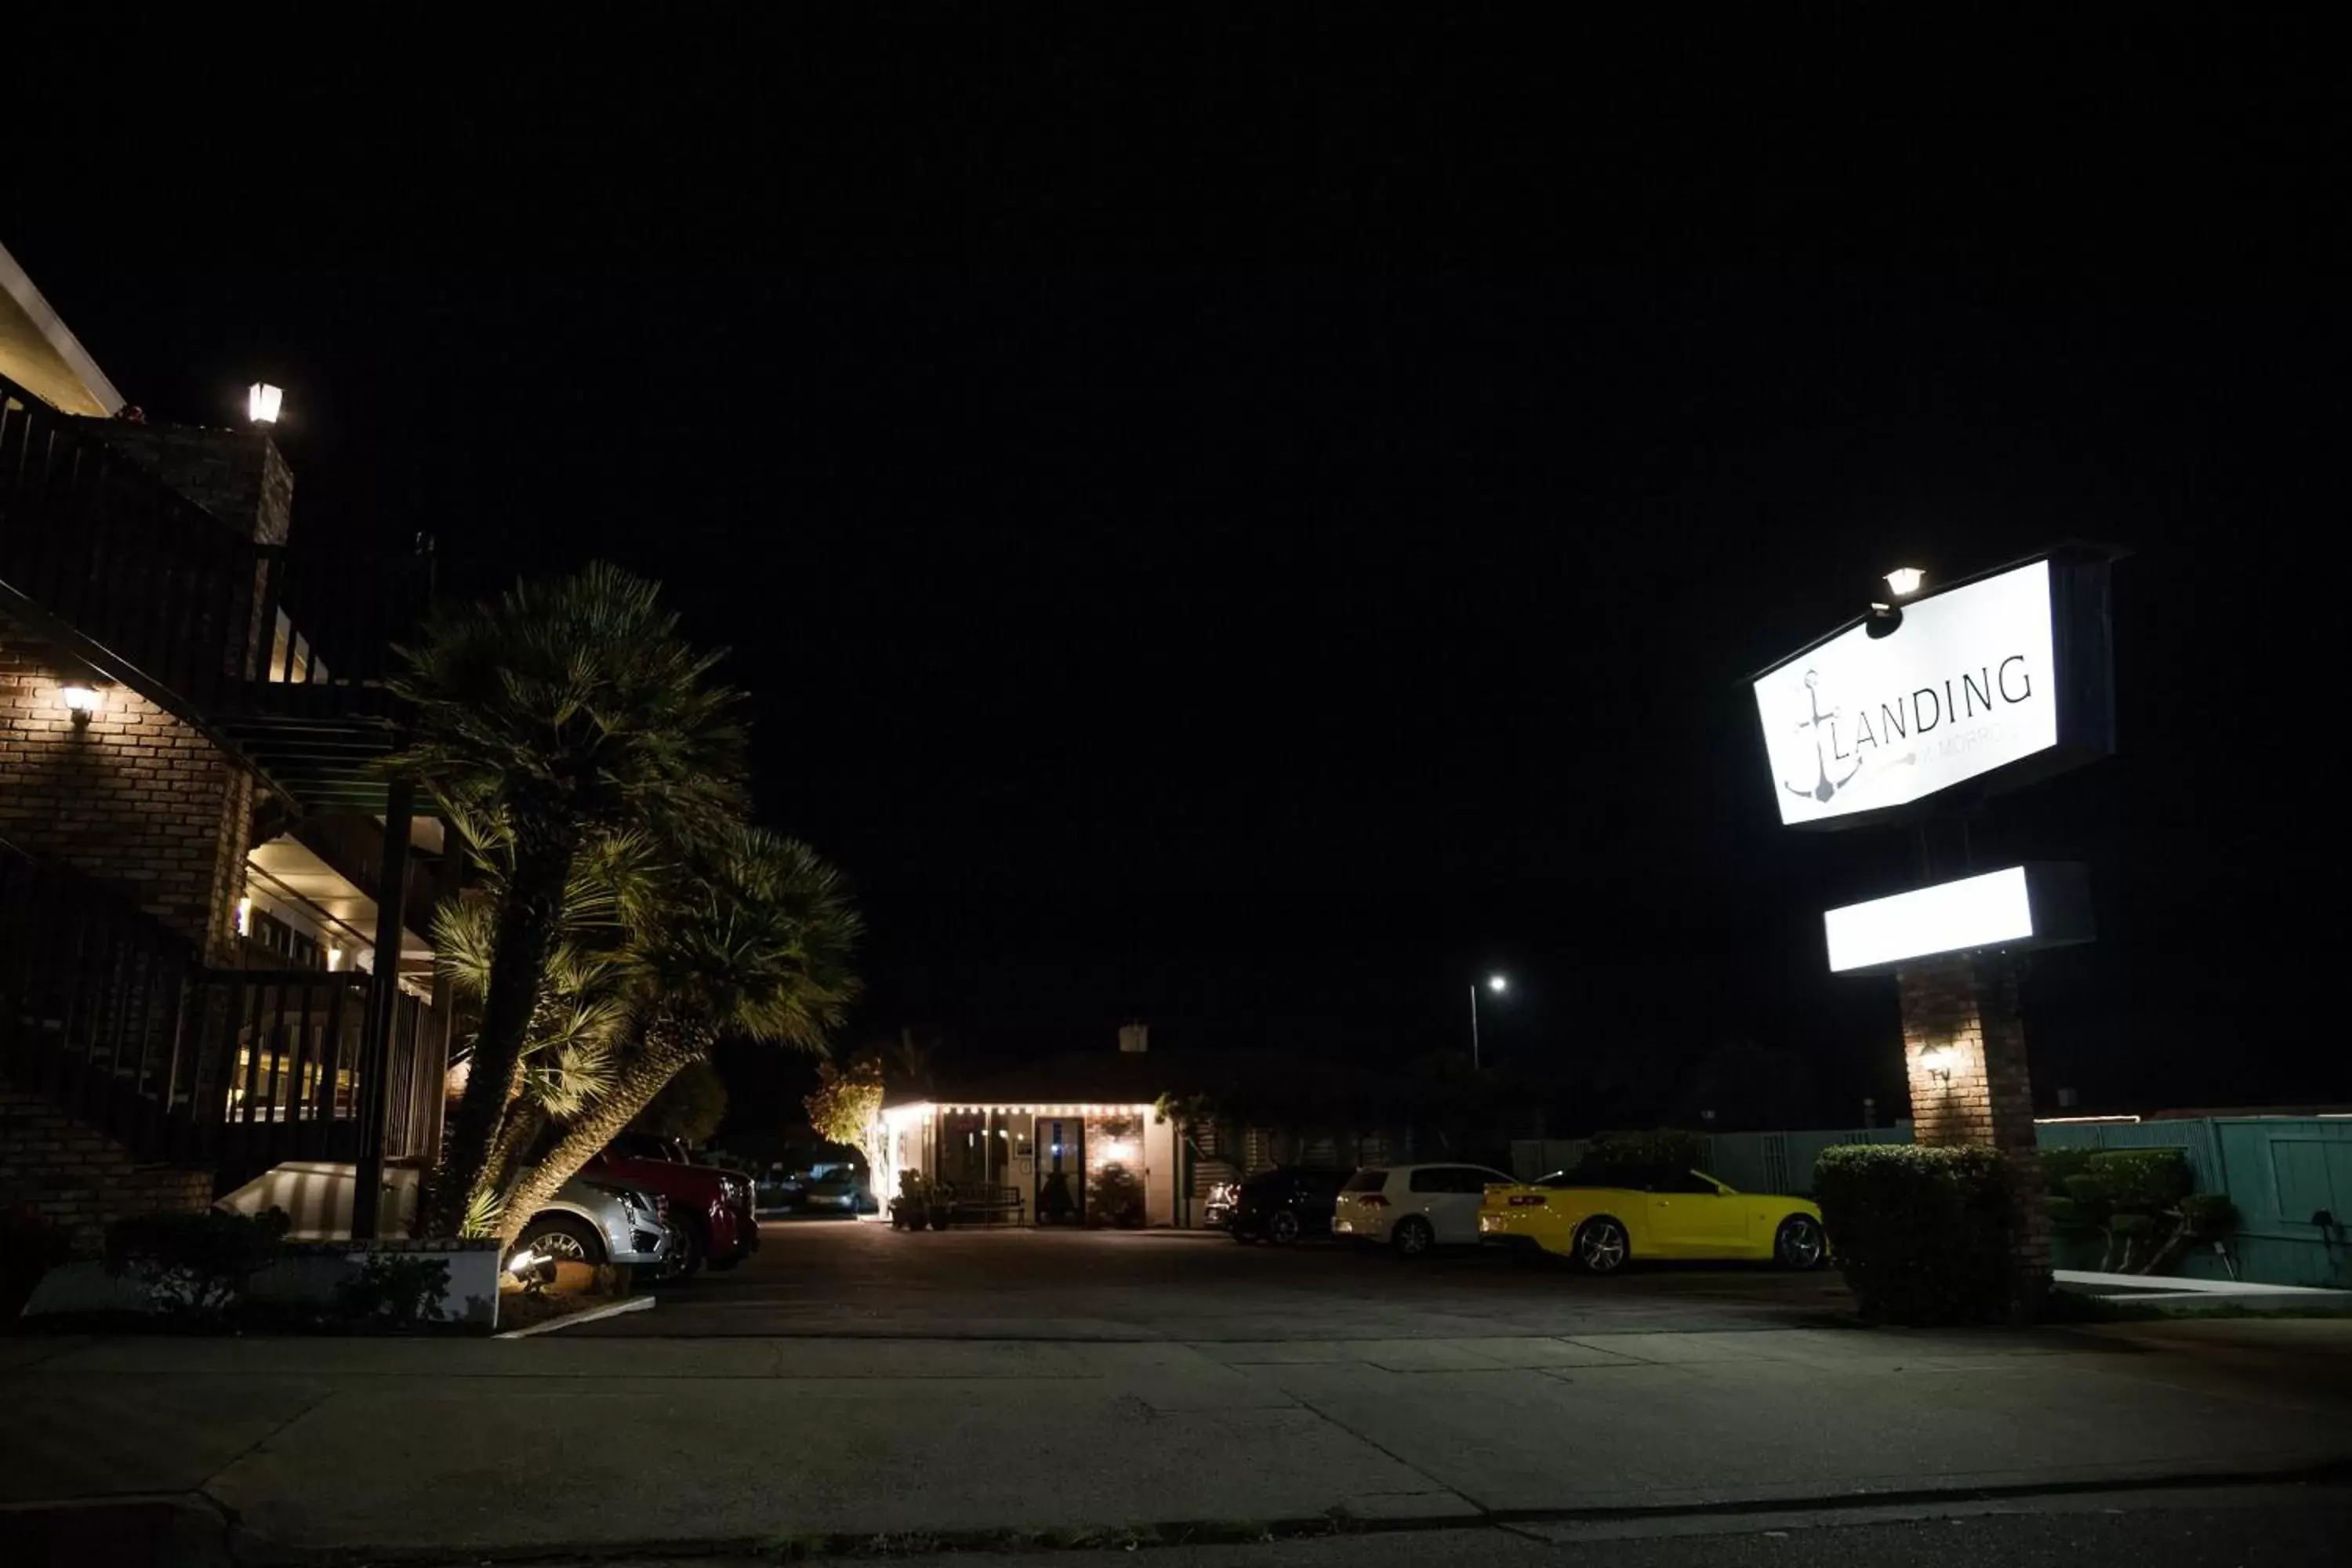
(2290, 1177)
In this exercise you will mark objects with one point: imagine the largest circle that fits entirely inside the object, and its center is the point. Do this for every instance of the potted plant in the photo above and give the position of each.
(910, 1210)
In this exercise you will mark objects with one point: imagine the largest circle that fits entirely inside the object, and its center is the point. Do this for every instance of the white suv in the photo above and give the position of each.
(1414, 1207)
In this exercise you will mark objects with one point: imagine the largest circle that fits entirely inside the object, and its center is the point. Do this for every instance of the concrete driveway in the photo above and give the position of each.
(854, 1385)
(840, 1277)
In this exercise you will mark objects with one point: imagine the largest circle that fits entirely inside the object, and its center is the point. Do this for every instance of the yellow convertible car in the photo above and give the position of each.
(1603, 1219)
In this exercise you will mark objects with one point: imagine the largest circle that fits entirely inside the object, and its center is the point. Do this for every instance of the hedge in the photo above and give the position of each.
(1922, 1232)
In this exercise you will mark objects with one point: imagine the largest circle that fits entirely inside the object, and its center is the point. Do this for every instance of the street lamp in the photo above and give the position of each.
(1495, 983)
(1904, 581)
(262, 403)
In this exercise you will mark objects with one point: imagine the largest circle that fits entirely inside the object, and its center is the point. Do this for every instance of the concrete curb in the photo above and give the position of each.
(249, 1548)
(589, 1315)
(179, 1530)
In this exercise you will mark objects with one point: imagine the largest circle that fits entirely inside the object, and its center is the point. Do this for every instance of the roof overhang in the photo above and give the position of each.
(40, 353)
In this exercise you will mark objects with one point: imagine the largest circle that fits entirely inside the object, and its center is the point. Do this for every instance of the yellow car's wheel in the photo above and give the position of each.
(1800, 1243)
(1601, 1245)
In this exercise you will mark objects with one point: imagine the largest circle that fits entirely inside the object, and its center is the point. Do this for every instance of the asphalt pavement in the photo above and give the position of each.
(843, 1277)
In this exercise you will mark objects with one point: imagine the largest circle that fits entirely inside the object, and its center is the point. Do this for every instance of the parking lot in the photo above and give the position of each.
(861, 1278)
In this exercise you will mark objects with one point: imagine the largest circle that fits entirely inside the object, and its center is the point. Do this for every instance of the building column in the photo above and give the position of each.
(1964, 1047)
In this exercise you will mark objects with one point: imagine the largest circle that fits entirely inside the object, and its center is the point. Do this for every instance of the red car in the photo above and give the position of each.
(709, 1208)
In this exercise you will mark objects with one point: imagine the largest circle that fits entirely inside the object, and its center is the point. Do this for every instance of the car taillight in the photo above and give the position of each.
(1373, 1201)
(1525, 1200)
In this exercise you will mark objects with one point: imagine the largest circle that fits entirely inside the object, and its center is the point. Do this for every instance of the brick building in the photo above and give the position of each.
(213, 907)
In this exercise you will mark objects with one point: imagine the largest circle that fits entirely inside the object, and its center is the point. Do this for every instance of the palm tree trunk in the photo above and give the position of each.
(523, 1122)
(668, 1047)
(528, 918)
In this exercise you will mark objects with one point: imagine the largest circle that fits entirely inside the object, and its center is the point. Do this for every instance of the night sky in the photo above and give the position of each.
(1254, 529)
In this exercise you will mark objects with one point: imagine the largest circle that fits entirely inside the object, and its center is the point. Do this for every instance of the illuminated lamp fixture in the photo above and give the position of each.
(334, 957)
(1904, 581)
(244, 916)
(1937, 1060)
(262, 402)
(82, 701)
(1496, 982)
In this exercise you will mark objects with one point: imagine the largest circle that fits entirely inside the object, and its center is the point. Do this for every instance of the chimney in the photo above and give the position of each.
(1135, 1037)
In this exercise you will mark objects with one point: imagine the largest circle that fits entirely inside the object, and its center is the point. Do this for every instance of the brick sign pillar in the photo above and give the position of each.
(1964, 1045)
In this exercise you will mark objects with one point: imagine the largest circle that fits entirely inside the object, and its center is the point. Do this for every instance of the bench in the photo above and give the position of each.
(989, 1206)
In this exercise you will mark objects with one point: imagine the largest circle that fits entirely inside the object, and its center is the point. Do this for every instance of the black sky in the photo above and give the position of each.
(1254, 527)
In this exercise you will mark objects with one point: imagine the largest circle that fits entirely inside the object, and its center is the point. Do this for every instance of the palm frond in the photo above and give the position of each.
(483, 1211)
(576, 696)
(758, 943)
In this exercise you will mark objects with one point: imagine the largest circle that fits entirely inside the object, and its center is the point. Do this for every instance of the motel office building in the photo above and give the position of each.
(197, 840)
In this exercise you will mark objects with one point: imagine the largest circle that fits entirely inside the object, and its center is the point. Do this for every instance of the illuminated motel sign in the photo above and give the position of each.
(1992, 682)
(1986, 685)
(2019, 907)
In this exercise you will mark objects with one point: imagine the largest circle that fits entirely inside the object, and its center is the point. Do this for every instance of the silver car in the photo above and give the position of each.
(600, 1221)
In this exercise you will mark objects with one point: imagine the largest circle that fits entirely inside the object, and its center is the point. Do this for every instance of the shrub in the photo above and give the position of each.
(196, 1264)
(1922, 1232)
(2135, 1198)
(1113, 1197)
(2058, 1165)
(2143, 1179)
(406, 1288)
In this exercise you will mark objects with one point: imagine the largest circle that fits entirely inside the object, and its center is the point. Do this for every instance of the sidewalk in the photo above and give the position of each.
(484, 1448)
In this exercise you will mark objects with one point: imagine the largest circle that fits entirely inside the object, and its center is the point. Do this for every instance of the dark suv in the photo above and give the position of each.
(710, 1207)
(1283, 1204)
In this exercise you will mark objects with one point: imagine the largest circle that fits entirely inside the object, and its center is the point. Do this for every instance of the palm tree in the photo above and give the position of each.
(570, 1052)
(560, 710)
(756, 942)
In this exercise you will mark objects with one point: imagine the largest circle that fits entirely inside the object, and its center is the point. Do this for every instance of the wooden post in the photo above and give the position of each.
(383, 995)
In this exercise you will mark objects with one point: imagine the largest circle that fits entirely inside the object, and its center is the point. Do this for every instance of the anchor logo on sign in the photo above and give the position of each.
(1823, 788)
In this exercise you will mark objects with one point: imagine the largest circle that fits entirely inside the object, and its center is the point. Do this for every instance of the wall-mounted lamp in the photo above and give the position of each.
(1938, 1061)
(82, 701)
(1905, 581)
(334, 957)
(244, 916)
(262, 402)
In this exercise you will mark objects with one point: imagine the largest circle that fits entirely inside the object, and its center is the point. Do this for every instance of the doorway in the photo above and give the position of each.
(1061, 1196)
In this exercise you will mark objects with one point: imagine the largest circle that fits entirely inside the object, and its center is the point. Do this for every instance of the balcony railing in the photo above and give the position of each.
(105, 1012)
(164, 596)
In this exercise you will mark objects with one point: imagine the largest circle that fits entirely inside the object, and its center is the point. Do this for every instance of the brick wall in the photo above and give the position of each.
(238, 476)
(134, 797)
(1964, 1045)
(80, 1181)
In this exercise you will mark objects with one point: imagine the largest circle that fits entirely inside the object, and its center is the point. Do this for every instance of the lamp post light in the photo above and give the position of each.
(1904, 581)
(1495, 983)
(263, 401)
